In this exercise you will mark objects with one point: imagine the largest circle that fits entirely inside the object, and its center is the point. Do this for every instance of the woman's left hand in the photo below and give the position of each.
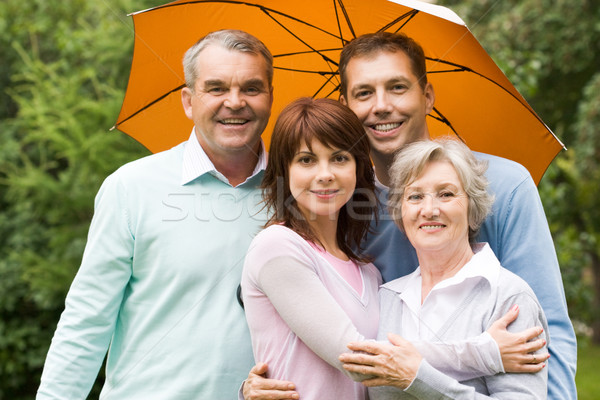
(393, 364)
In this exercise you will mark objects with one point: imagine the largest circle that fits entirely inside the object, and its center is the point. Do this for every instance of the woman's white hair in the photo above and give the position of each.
(412, 159)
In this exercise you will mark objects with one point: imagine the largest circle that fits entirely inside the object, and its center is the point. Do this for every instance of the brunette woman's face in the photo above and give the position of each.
(322, 179)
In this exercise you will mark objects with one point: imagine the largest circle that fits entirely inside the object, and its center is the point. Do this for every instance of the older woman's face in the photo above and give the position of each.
(435, 210)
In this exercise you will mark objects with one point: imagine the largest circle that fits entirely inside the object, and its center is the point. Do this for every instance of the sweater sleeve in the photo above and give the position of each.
(431, 383)
(521, 239)
(460, 359)
(308, 309)
(92, 304)
(465, 359)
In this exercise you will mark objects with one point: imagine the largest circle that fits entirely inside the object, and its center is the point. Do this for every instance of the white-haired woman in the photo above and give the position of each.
(438, 198)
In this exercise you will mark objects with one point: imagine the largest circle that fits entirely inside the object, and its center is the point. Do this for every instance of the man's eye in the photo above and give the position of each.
(399, 88)
(252, 90)
(216, 90)
(362, 94)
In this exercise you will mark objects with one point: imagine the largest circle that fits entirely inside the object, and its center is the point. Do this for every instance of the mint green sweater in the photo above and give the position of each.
(158, 284)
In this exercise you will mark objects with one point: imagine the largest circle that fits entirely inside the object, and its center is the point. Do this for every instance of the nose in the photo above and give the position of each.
(429, 206)
(383, 103)
(324, 174)
(234, 100)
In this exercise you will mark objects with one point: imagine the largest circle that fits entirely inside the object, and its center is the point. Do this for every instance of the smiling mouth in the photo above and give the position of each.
(233, 121)
(431, 227)
(386, 127)
(325, 193)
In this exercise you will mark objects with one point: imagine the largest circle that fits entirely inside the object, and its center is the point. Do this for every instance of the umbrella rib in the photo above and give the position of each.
(324, 84)
(337, 19)
(410, 15)
(346, 17)
(323, 73)
(444, 120)
(262, 8)
(269, 12)
(151, 104)
(462, 68)
(303, 52)
(327, 59)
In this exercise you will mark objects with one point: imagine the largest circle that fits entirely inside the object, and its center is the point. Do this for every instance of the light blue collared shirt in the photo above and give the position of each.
(157, 285)
(197, 163)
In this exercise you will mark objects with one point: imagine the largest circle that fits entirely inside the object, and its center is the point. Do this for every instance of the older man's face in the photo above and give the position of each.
(231, 101)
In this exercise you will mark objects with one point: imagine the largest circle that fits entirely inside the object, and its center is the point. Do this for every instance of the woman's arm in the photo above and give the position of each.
(399, 372)
(494, 351)
(309, 310)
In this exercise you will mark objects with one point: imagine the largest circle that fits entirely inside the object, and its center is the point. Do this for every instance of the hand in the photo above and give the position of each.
(517, 349)
(257, 387)
(389, 365)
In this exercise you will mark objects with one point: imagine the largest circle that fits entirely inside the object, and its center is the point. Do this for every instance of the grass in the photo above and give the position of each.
(588, 374)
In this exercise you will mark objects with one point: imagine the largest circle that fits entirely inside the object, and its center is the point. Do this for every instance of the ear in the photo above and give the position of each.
(429, 97)
(343, 100)
(186, 101)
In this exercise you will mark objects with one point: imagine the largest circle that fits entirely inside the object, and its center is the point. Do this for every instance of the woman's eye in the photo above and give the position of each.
(414, 197)
(341, 158)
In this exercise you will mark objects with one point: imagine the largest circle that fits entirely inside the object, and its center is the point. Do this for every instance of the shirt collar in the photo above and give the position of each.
(196, 163)
(483, 264)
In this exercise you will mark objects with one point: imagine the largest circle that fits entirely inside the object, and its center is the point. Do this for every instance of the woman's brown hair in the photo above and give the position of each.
(335, 126)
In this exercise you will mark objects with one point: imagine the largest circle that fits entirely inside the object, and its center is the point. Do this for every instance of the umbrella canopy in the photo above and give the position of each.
(474, 99)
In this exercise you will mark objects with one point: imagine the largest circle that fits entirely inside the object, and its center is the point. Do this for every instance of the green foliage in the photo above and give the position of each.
(64, 71)
(588, 385)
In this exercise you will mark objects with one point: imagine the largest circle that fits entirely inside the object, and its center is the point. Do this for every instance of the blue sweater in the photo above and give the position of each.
(518, 233)
(158, 283)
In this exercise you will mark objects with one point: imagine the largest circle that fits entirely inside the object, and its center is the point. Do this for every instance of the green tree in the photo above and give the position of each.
(64, 71)
(550, 49)
(580, 182)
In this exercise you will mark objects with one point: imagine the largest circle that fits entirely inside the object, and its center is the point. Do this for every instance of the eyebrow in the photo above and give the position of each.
(338, 151)
(391, 81)
(254, 82)
(304, 152)
(442, 185)
(250, 82)
(361, 86)
(213, 82)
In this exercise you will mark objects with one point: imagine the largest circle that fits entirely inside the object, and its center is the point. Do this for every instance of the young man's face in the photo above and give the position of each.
(385, 94)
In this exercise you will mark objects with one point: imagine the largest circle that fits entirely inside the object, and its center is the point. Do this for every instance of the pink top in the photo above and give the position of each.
(349, 270)
(302, 313)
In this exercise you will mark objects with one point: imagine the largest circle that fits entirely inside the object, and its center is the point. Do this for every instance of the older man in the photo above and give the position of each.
(157, 284)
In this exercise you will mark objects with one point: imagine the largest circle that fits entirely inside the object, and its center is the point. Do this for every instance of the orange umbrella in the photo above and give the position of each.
(474, 99)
